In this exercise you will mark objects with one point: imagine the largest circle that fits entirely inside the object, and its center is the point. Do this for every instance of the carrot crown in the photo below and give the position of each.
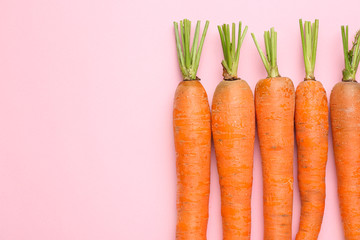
(269, 61)
(309, 41)
(352, 57)
(230, 50)
(189, 58)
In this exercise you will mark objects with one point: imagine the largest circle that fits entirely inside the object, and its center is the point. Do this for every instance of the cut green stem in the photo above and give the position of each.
(351, 57)
(270, 63)
(309, 40)
(189, 59)
(231, 50)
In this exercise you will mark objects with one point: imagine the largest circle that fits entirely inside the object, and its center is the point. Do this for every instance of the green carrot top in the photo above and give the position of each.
(309, 41)
(231, 51)
(352, 57)
(269, 60)
(189, 57)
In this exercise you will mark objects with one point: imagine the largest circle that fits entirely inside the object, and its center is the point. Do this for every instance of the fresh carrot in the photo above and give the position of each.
(345, 121)
(312, 126)
(192, 134)
(233, 127)
(275, 105)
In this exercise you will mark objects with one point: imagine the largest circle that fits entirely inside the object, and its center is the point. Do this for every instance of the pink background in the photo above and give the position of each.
(86, 91)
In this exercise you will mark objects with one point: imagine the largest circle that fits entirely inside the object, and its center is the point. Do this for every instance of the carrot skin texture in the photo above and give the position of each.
(345, 121)
(233, 127)
(192, 134)
(275, 105)
(312, 125)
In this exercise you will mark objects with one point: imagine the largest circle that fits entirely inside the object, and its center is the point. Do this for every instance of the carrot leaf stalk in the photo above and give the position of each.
(309, 40)
(352, 57)
(269, 61)
(189, 57)
(231, 51)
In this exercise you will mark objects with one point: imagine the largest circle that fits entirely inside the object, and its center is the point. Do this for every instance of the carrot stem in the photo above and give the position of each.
(195, 42)
(270, 60)
(231, 51)
(351, 57)
(189, 59)
(309, 39)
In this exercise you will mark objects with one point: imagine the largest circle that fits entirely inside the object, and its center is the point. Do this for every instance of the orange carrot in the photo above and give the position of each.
(192, 134)
(345, 121)
(233, 127)
(311, 122)
(275, 104)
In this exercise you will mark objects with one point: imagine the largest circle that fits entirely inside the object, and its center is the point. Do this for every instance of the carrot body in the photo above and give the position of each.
(192, 133)
(311, 121)
(233, 127)
(275, 105)
(345, 120)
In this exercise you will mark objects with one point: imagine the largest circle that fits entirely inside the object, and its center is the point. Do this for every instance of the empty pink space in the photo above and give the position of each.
(86, 94)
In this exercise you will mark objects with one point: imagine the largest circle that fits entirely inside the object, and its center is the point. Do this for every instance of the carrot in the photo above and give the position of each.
(233, 127)
(345, 121)
(274, 105)
(192, 135)
(312, 126)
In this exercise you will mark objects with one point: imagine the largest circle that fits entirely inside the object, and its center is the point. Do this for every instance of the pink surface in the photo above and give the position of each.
(86, 91)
